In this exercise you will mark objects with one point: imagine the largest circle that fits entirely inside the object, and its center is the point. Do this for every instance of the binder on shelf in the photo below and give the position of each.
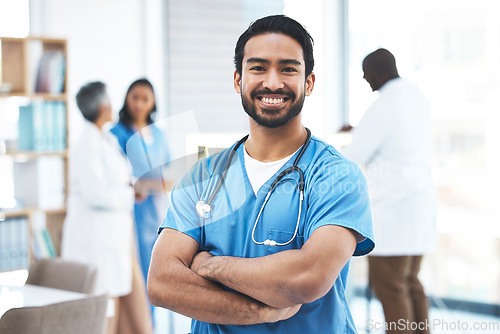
(26, 141)
(40, 250)
(6, 226)
(41, 123)
(48, 242)
(4, 249)
(49, 126)
(60, 125)
(42, 242)
(24, 244)
(35, 51)
(14, 244)
(42, 126)
(51, 73)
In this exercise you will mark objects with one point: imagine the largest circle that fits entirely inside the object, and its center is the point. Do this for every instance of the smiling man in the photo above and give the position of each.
(258, 237)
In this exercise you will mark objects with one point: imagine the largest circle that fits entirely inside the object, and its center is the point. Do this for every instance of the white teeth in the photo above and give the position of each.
(272, 101)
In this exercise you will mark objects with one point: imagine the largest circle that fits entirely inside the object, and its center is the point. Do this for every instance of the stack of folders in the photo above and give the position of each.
(51, 71)
(42, 126)
(42, 244)
(14, 244)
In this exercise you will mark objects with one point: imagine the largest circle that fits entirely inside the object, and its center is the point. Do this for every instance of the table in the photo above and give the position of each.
(33, 295)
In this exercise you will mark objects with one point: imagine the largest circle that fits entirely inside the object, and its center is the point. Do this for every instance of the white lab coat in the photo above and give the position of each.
(392, 144)
(99, 225)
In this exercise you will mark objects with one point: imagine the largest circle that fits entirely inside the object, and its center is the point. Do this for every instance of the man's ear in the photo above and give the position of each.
(237, 82)
(311, 78)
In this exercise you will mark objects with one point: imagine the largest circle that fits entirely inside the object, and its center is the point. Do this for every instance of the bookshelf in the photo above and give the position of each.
(34, 75)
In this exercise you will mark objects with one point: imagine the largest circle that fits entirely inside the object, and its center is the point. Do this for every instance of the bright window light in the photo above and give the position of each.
(14, 18)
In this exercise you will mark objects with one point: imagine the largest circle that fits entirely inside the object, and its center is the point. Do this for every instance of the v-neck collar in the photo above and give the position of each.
(267, 185)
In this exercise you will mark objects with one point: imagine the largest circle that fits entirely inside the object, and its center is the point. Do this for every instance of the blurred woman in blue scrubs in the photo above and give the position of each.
(146, 147)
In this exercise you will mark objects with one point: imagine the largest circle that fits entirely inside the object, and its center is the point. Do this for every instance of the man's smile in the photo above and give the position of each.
(272, 100)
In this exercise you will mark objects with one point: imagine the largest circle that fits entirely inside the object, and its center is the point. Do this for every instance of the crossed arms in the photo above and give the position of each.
(271, 288)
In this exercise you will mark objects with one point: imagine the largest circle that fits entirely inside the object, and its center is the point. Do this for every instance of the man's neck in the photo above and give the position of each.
(271, 144)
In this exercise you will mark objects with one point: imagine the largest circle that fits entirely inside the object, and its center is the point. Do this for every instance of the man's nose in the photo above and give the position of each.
(273, 80)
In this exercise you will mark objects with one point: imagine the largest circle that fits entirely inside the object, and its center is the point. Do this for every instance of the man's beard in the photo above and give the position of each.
(275, 119)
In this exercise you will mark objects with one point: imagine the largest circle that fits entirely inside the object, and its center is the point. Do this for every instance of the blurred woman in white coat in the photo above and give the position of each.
(98, 229)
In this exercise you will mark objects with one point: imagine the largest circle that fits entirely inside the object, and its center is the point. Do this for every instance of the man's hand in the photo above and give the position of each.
(140, 197)
(199, 261)
(288, 278)
(346, 128)
(272, 314)
(200, 266)
(173, 284)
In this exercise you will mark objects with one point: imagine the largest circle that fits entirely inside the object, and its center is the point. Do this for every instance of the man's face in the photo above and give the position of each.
(272, 84)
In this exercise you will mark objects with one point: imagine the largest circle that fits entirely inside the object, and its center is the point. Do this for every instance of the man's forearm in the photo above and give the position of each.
(186, 293)
(285, 278)
(171, 284)
(273, 280)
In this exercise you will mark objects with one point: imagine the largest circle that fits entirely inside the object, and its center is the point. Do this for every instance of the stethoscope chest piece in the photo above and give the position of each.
(203, 209)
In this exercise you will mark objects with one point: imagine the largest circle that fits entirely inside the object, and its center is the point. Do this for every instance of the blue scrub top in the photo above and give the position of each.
(147, 160)
(335, 194)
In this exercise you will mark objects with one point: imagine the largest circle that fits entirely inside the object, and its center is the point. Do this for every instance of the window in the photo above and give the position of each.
(450, 49)
(14, 18)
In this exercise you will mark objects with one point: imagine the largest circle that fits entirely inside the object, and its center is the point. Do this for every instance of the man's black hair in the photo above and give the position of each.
(124, 113)
(382, 61)
(280, 24)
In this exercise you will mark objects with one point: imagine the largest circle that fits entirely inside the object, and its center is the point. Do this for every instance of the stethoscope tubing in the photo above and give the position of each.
(226, 168)
(204, 208)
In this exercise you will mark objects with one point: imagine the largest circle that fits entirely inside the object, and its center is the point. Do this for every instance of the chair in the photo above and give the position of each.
(62, 274)
(81, 316)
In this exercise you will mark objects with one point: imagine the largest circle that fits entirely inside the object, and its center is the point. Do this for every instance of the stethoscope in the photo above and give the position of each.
(204, 208)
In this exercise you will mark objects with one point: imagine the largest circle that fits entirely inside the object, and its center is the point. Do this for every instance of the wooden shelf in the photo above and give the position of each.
(15, 213)
(25, 212)
(27, 155)
(17, 65)
(21, 60)
(34, 96)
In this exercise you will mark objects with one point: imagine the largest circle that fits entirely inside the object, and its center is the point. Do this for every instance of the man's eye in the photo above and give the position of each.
(257, 68)
(289, 69)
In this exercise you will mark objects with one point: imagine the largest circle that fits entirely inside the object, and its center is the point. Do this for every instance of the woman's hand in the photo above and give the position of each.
(139, 197)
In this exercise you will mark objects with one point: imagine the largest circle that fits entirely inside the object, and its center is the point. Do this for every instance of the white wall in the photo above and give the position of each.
(201, 36)
(185, 48)
(105, 43)
(325, 110)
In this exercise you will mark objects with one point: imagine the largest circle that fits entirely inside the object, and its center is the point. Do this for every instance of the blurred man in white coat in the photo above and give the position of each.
(392, 143)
